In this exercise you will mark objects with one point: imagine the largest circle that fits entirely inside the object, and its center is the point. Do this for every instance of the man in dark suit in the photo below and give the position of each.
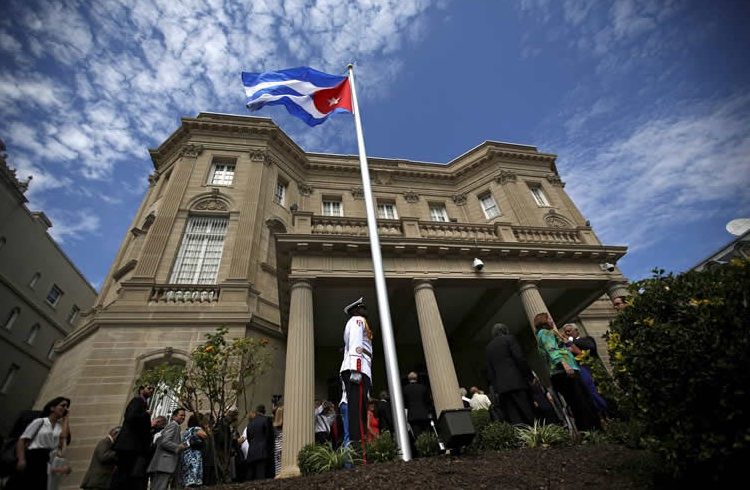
(132, 445)
(260, 445)
(510, 376)
(168, 448)
(102, 463)
(417, 405)
(384, 412)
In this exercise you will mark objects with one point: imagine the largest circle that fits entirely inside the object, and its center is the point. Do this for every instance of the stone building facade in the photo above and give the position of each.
(240, 227)
(41, 297)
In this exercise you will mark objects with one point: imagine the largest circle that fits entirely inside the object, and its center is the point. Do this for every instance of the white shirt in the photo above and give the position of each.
(357, 347)
(48, 436)
(480, 401)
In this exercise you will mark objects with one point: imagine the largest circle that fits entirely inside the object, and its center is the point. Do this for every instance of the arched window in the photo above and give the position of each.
(34, 280)
(33, 333)
(12, 318)
(200, 252)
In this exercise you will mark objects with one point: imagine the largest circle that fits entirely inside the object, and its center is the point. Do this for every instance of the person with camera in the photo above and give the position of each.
(168, 448)
(42, 439)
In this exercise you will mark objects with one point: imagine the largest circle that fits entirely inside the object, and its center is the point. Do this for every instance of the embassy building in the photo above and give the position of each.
(242, 228)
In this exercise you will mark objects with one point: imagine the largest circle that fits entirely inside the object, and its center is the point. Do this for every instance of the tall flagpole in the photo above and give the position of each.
(389, 344)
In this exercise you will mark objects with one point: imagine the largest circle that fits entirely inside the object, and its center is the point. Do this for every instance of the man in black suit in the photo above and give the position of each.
(133, 444)
(384, 412)
(510, 376)
(417, 405)
(260, 445)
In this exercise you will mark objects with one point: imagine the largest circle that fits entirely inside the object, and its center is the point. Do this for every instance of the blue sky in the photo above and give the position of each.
(645, 102)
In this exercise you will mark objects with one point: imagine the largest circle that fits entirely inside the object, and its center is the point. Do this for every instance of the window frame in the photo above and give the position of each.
(387, 205)
(332, 200)
(15, 312)
(35, 280)
(194, 245)
(437, 206)
(10, 376)
(226, 164)
(33, 334)
(57, 299)
(541, 200)
(486, 209)
(284, 186)
(73, 315)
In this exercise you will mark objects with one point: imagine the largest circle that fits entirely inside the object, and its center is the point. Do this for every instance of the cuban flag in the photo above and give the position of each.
(309, 94)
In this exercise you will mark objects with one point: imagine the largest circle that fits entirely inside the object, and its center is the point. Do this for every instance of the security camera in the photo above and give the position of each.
(477, 265)
(607, 267)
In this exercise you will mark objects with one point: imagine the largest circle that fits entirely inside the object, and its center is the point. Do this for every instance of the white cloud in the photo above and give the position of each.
(668, 172)
(73, 225)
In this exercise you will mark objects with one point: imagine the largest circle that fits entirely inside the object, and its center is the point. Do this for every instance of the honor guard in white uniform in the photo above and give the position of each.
(356, 369)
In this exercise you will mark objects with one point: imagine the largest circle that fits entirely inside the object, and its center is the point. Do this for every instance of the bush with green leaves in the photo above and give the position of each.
(681, 352)
(496, 436)
(543, 435)
(381, 449)
(480, 418)
(626, 432)
(319, 458)
(427, 444)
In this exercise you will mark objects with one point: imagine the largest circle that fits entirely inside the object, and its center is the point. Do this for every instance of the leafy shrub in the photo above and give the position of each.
(319, 458)
(542, 435)
(383, 448)
(594, 437)
(496, 436)
(427, 444)
(626, 432)
(681, 352)
(480, 418)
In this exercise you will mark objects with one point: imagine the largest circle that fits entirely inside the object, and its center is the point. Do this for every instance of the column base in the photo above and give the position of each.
(289, 472)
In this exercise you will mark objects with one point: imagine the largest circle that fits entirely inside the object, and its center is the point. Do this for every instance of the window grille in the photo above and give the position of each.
(200, 253)
(438, 213)
(387, 211)
(54, 295)
(223, 174)
(163, 402)
(332, 208)
(539, 197)
(489, 206)
(280, 193)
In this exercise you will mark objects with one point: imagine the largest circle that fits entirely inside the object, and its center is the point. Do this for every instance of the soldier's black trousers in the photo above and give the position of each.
(357, 395)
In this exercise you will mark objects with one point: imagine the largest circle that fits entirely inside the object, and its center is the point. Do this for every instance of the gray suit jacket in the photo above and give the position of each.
(167, 450)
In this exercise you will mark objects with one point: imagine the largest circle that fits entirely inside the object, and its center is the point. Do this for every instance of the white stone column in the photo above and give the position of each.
(437, 352)
(532, 300)
(299, 378)
(617, 289)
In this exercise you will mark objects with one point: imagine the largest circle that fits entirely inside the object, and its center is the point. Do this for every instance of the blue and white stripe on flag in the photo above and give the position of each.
(306, 93)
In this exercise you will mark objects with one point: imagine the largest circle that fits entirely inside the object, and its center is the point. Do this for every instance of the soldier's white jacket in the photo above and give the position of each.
(357, 347)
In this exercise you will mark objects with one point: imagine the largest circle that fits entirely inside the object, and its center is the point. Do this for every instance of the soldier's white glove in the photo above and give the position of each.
(355, 377)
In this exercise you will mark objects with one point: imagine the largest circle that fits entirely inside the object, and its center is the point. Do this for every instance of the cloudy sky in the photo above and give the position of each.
(646, 102)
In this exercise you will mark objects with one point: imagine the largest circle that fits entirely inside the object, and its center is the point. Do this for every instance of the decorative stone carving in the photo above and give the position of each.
(152, 179)
(505, 176)
(459, 199)
(555, 179)
(358, 193)
(555, 220)
(382, 178)
(304, 189)
(261, 156)
(191, 151)
(411, 196)
(211, 205)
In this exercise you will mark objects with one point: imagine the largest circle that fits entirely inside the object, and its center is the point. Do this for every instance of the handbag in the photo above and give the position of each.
(8, 456)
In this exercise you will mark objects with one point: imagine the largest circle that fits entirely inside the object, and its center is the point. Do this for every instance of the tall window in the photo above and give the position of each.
(73, 315)
(12, 318)
(9, 377)
(332, 207)
(33, 333)
(438, 212)
(387, 211)
(489, 206)
(539, 197)
(34, 280)
(222, 173)
(54, 295)
(200, 252)
(279, 195)
(51, 352)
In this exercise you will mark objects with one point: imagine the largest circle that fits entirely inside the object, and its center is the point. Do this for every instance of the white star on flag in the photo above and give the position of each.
(333, 101)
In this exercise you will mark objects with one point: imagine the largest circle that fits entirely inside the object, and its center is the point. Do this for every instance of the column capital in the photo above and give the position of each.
(524, 285)
(617, 288)
(301, 282)
(422, 283)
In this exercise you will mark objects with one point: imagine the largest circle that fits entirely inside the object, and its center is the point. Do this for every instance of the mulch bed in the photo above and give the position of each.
(594, 466)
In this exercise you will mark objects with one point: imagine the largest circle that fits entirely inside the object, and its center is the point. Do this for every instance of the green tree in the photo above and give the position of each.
(216, 377)
(681, 354)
